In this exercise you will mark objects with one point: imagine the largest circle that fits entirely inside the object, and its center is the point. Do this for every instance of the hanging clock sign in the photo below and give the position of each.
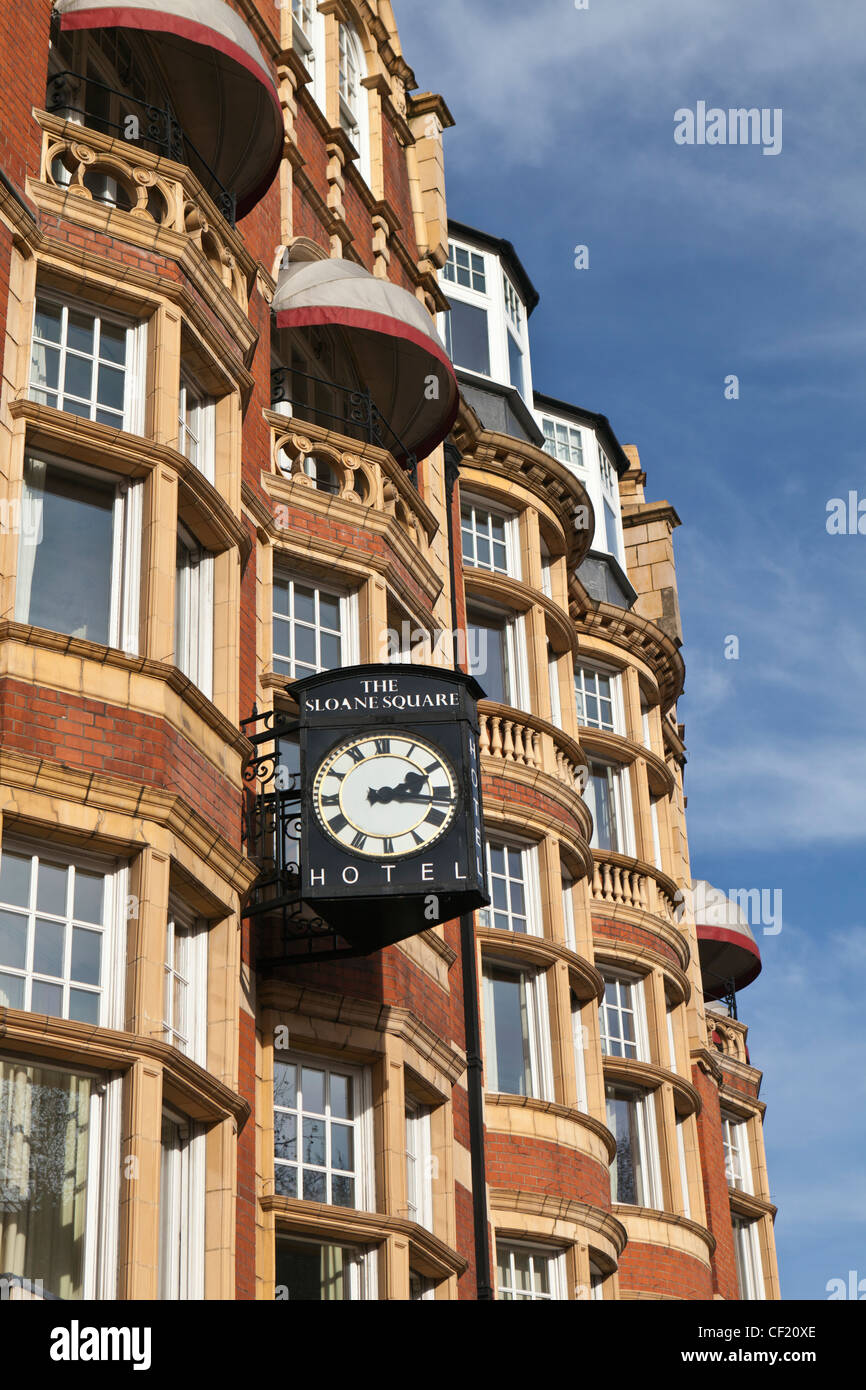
(392, 838)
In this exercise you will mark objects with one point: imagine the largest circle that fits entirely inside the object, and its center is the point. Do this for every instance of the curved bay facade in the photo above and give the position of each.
(211, 486)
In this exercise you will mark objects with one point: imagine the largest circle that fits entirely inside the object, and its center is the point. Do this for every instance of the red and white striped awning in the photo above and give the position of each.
(399, 356)
(221, 89)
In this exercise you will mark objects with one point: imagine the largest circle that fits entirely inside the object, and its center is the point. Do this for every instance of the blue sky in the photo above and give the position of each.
(704, 262)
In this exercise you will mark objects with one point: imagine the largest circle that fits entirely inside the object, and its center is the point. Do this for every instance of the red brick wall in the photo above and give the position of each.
(656, 1270)
(610, 929)
(716, 1185)
(24, 33)
(98, 737)
(544, 1168)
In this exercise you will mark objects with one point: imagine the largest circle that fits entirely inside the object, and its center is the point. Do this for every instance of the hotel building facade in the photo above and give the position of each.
(264, 413)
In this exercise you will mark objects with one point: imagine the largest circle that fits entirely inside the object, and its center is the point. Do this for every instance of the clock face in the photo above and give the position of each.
(385, 795)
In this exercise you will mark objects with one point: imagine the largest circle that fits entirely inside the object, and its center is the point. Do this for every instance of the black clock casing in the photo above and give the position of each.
(393, 750)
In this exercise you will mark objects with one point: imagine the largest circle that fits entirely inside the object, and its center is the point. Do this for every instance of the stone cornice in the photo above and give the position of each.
(111, 1050)
(622, 750)
(747, 1204)
(21, 772)
(521, 597)
(350, 1224)
(654, 1216)
(492, 1099)
(635, 633)
(283, 995)
(649, 1076)
(622, 950)
(560, 1209)
(637, 514)
(541, 951)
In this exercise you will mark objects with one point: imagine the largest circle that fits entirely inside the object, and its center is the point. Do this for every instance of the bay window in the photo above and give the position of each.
(322, 1138)
(87, 363)
(467, 336)
(419, 1164)
(513, 884)
(181, 1209)
(62, 935)
(634, 1171)
(79, 556)
(194, 611)
(497, 656)
(599, 699)
(465, 267)
(681, 1158)
(195, 430)
(580, 1038)
(747, 1255)
(622, 1019)
(563, 441)
(738, 1164)
(184, 1022)
(517, 1040)
(354, 107)
(59, 1169)
(528, 1273)
(608, 799)
(310, 1271)
(490, 539)
(313, 628)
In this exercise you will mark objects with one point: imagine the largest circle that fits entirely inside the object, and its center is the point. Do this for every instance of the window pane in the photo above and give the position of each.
(341, 1097)
(110, 393)
(313, 1088)
(112, 343)
(312, 1273)
(46, 999)
(45, 366)
(512, 1035)
(51, 889)
(13, 940)
(47, 322)
(88, 896)
(285, 1084)
(285, 1136)
(78, 380)
(48, 948)
(11, 996)
(14, 879)
(469, 338)
(315, 1187)
(84, 1005)
(45, 1133)
(515, 365)
(71, 586)
(305, 605)
(80, 332)
(86, 956)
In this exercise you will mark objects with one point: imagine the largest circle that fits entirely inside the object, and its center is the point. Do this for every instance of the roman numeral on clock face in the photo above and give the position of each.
(355, 754)
(332, 800)
(337, 824)
(359, 841)
(383, 745)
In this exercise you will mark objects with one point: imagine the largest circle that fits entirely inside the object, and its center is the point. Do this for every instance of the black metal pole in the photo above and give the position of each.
(472, 1019)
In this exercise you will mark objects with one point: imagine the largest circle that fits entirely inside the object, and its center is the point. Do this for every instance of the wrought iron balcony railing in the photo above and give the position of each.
(149, 126)
(355, 413)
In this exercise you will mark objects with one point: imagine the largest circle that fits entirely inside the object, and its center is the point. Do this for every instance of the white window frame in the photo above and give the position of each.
(582, 686)
(194, 402)
(620, 787)
(419, 1166)
(348, 621)
(362, 1123)
(567, 883)
(530, 881)
(362, 1264)
(670, 1009)
(634, 1003)
(102, 1207)
(308, 38)
(492, 301)
(681, 1155)
(514, 629)
(647, 1137)
(553, 681)
(596, 1283)
(516, 330)
(749, 1264)
(551, 425)
(735, 1140)
(194, 613)
(182, 921)
(579, 1034)
(483, 511)
(553, 1259)
(352, 95)
(538, 1026)
(114, 912)
(132, 416)
(654, 826)
(125, 576)
(181, 1203)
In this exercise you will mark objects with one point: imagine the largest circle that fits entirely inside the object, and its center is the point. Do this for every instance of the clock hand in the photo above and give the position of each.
(408, 789)
(397, 794)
